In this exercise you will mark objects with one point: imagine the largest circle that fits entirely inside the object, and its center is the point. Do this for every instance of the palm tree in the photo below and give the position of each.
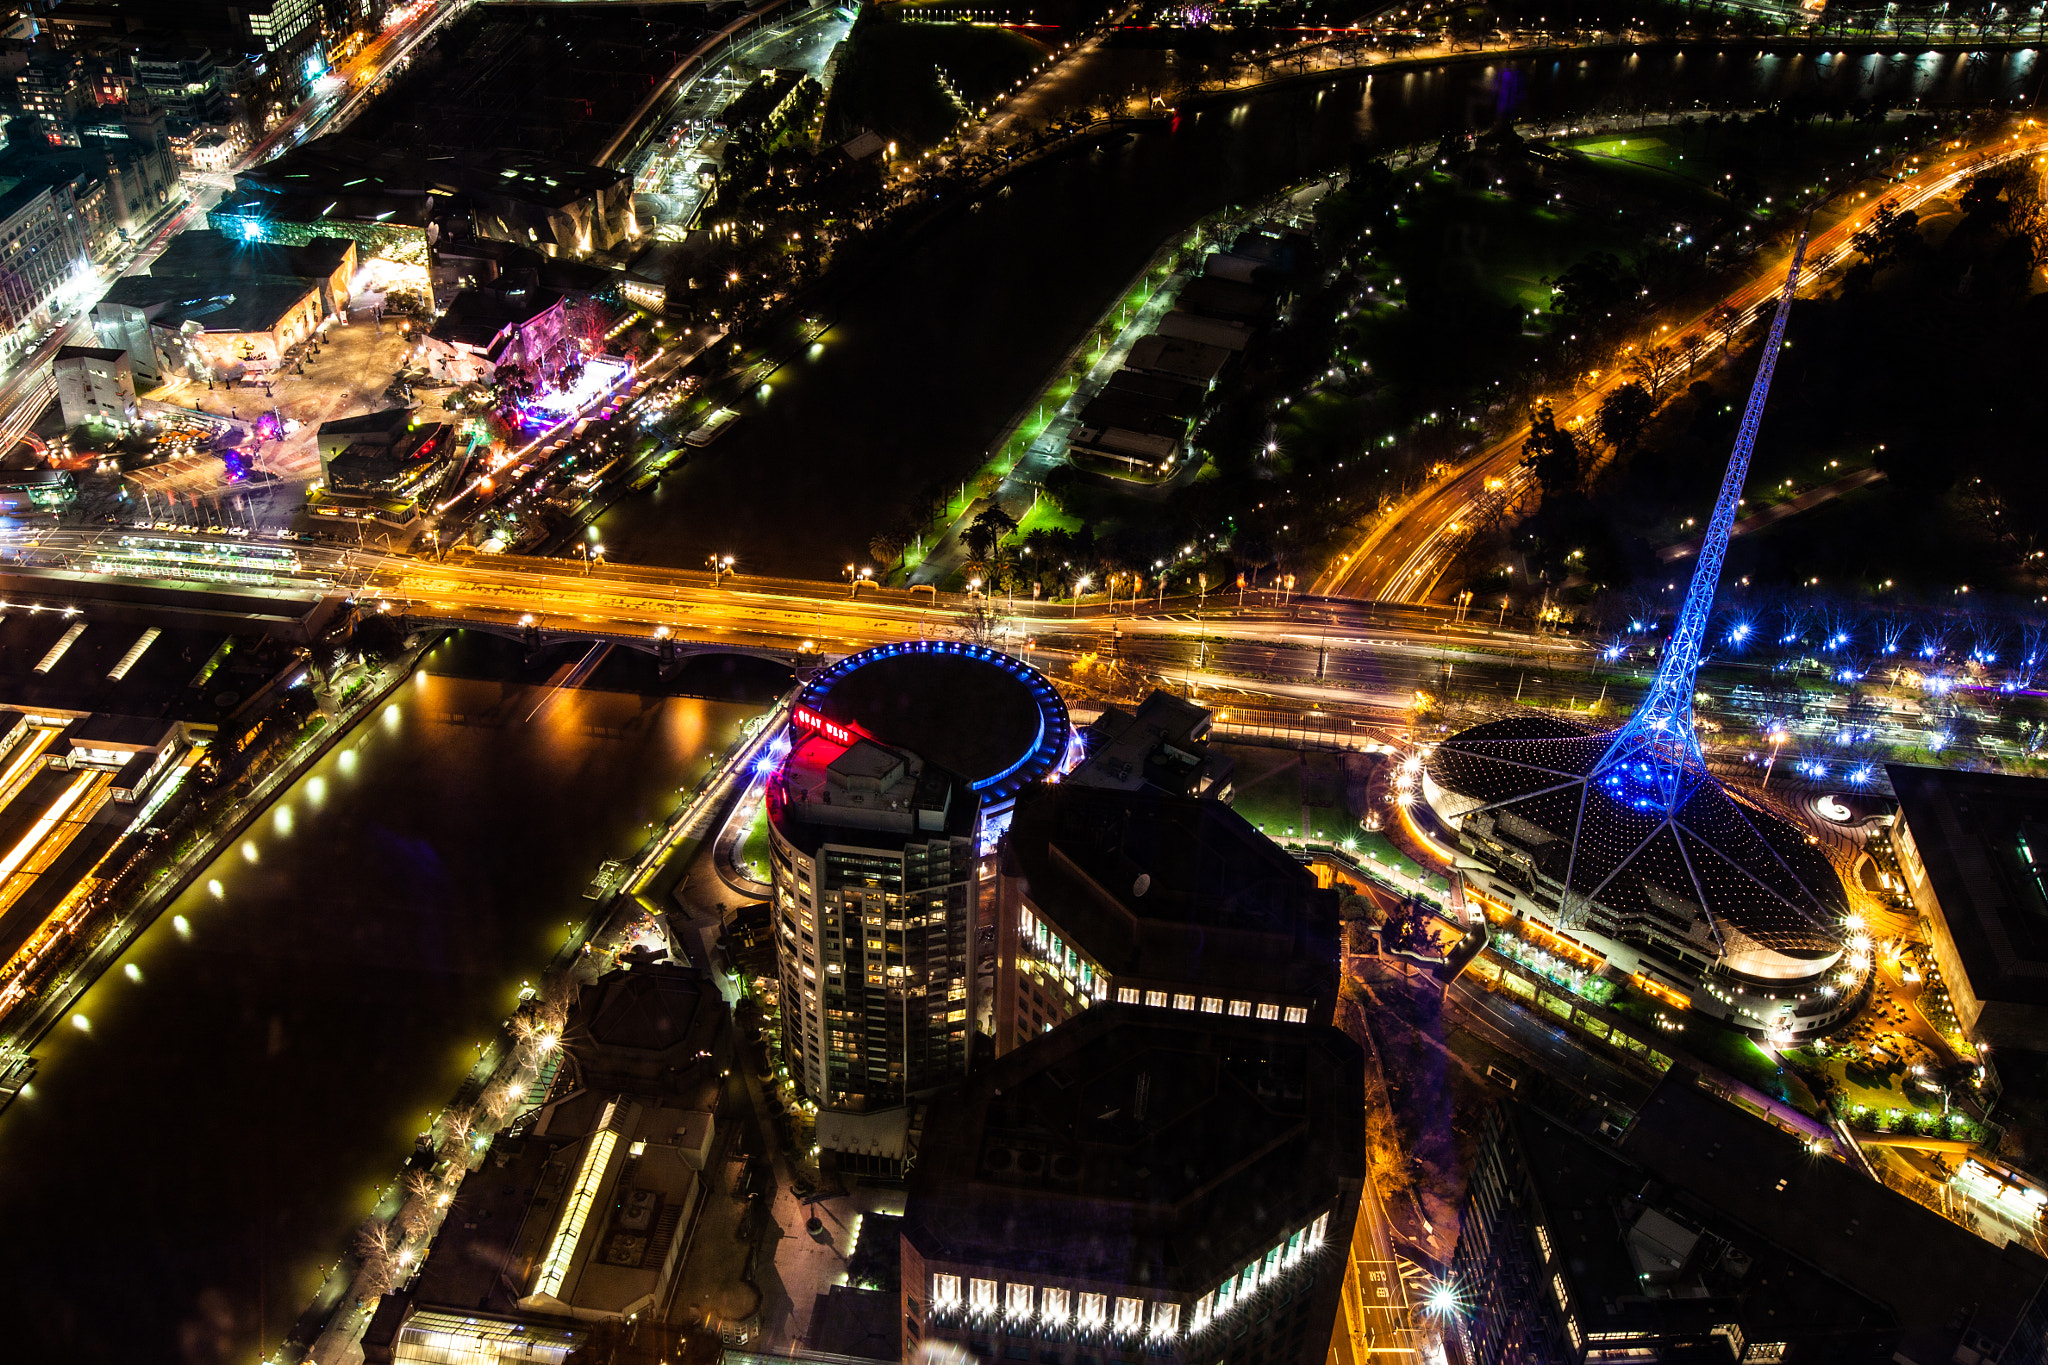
(885, 546)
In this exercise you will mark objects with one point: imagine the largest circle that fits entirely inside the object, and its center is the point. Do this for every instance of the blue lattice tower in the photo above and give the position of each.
(1653, 762)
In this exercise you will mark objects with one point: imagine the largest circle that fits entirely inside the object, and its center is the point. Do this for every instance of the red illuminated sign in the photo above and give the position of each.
(807, 719)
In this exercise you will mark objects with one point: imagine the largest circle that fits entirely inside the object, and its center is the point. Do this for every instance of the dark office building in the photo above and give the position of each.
(1174, 903)
(1709, 1234)
(1140, 1185)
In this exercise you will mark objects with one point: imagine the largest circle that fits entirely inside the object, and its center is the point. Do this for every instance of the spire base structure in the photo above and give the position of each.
(1629, 826)
(1657, 747)
(1653, 763)
(1627, 840)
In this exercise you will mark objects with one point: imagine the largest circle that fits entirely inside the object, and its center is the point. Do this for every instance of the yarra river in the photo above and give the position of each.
(182, 1173)
(179, 1177)
(933, 351)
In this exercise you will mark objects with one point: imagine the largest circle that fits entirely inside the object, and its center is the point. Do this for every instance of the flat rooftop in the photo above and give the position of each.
(1175, 887)
(252, 305)
(298, 612)
(1983, 838)
(658, 1030)
(924, 802)
(101, 353)
(1659, 1259)
(1163, 744)
(499, 1221)
(1151, 1150)
(1937, 1279)
(476, 316)
(160, 684)
(209, 254)
(645, 1048)
(387, 423)
(215, 305)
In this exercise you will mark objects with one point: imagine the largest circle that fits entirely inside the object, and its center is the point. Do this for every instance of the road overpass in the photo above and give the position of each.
(1304, 653)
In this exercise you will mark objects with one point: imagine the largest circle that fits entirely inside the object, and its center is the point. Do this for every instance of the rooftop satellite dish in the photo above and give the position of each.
(1142, 885)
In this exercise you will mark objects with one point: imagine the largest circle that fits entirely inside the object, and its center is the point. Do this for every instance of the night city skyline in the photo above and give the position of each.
(1258, 683)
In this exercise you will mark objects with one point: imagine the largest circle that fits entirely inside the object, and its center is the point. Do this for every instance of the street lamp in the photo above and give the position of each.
(721, 565)
(1080, 586)
(1777, 739)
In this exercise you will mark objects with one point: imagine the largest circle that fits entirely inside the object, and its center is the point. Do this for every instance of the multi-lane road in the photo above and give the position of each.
(1328, 653)
(1302, 656)
(1402, 555)
(341, 94)
(1323, 660)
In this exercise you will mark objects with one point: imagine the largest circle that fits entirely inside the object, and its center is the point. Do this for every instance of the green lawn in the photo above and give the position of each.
(1641, 149)
(752, 853)
(1046, 515)
(1377, 850)
(1728, 1049)
(1268, 789)
(1507, 250)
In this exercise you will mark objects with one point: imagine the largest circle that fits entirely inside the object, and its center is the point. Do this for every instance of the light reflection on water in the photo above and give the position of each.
(1040, 262)
(200, 1142)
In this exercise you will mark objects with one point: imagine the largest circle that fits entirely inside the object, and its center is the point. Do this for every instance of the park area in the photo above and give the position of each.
(1451, 290)
(913, 81)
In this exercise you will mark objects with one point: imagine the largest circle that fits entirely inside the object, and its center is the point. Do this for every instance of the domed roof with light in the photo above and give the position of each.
(977, 712)
(1650, 843)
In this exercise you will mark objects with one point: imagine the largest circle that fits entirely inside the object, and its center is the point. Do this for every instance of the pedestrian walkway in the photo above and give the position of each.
(1020, 485)
(1812, 497)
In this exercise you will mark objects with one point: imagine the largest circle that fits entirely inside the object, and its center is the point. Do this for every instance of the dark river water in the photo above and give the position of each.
(183, 1172)
(179, 1177)
(934, 351)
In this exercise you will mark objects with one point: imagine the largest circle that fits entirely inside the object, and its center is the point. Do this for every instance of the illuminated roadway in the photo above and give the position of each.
(1304, 655)
(1370, 657)
(1401, 556)
(350, 83)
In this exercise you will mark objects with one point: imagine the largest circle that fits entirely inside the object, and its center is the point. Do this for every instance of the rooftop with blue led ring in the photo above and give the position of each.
(984, 715)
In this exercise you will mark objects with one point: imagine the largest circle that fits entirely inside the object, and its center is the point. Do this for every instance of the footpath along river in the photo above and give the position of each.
(178, 1178)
